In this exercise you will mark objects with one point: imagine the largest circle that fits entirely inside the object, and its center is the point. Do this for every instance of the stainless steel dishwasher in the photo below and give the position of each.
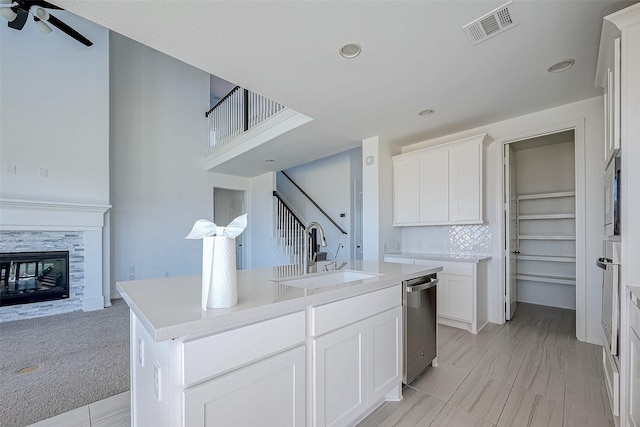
(419, 317)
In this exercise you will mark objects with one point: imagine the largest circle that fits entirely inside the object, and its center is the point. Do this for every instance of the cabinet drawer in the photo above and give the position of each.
(212, 355)
(458, 268)
(329, 317)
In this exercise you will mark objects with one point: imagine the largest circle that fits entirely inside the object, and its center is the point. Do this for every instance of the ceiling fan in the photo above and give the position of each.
(19, 11)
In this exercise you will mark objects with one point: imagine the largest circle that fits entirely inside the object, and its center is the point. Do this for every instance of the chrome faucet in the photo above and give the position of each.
(307, 263)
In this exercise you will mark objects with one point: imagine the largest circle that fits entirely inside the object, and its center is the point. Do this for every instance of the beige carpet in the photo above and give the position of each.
(53, 364)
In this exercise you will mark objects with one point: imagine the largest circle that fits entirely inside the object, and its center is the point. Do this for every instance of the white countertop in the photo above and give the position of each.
(440, 257)
(170, 307)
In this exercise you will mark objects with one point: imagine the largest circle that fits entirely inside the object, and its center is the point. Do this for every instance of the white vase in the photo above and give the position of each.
(219, 286)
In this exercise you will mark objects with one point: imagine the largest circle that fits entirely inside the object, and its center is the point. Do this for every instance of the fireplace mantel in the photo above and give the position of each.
(24, 216)
(30, 215)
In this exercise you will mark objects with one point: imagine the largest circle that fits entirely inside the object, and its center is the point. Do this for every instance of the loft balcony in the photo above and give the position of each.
(244, 120)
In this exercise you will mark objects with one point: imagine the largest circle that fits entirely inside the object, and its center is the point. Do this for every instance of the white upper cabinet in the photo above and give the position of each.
(612, 96)
(440, 185)
(465, 183)
(406, 185)
(433, 192)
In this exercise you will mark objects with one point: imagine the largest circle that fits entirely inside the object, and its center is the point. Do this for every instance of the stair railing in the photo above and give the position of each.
(289, 229)
(236, 113)
(322, 211)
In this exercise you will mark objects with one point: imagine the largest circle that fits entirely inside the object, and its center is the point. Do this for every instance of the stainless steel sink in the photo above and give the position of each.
(320, 280)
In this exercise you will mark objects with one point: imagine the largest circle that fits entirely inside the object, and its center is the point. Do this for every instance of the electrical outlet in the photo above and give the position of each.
(11, 169)
(44, 172)
(384, 247)
(157, 380)
(141, 352)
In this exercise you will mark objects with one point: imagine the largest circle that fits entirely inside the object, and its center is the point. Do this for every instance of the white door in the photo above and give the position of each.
(511, 242)
(227, 205)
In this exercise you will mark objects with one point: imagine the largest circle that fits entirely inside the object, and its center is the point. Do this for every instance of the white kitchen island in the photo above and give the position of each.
(290, 353)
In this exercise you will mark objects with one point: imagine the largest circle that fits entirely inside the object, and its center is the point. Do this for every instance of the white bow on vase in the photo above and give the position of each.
(219, 287)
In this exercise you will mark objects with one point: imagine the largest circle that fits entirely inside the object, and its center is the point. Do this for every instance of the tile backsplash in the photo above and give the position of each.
(454, 239)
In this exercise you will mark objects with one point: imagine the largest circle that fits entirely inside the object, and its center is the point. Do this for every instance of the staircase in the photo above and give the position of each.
(289, 225)
(289, 230)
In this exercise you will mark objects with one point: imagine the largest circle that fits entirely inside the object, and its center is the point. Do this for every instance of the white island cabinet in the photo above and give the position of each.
(355, 366)
(200, 382)
(284, 356)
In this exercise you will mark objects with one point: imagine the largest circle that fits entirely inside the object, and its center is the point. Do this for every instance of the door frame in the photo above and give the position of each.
(510, 251)
(578, 126)
(245, 209)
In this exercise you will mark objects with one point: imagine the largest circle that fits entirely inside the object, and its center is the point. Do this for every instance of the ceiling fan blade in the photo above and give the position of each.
(68, 30)
(21, 19)
(42, 3)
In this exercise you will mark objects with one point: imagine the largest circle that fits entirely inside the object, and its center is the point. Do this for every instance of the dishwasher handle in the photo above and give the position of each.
(423, 286)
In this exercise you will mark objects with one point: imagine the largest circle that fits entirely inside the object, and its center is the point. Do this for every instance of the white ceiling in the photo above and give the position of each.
(415, 55)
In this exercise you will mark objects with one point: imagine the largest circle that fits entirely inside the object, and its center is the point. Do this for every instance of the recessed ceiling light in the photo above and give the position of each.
(561, 66)
(427, 112)
(350, 50)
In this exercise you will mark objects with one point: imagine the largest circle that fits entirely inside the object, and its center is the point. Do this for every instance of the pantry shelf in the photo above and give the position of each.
(547, 279)
(545, 237)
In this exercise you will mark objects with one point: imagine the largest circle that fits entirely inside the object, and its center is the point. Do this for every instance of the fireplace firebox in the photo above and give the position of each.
(27, 277)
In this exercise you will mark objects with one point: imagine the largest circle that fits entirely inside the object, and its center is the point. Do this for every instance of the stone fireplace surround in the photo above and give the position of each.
(27, 225)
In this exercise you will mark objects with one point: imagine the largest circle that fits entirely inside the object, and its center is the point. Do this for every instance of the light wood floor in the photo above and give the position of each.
(529, 372)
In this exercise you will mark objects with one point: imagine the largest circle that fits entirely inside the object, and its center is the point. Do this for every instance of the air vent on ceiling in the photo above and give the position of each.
(494, 22)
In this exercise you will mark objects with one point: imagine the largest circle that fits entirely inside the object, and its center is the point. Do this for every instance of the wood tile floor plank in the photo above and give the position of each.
(526, 409)
(451, 416)
(481, 396)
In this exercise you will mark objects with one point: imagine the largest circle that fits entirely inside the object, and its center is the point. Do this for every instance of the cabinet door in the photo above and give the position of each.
(384, 351)
(634, 377)
(465, 183)
(434, 187)
(612, 108)
(266, 393)
(406, 190)
(457, 297)
(339, 376)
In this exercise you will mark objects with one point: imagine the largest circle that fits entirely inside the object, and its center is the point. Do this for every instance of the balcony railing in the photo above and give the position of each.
(236, 113)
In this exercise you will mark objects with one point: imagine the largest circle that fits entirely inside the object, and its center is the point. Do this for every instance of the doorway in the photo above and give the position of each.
(540, 221)
(227, 205)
